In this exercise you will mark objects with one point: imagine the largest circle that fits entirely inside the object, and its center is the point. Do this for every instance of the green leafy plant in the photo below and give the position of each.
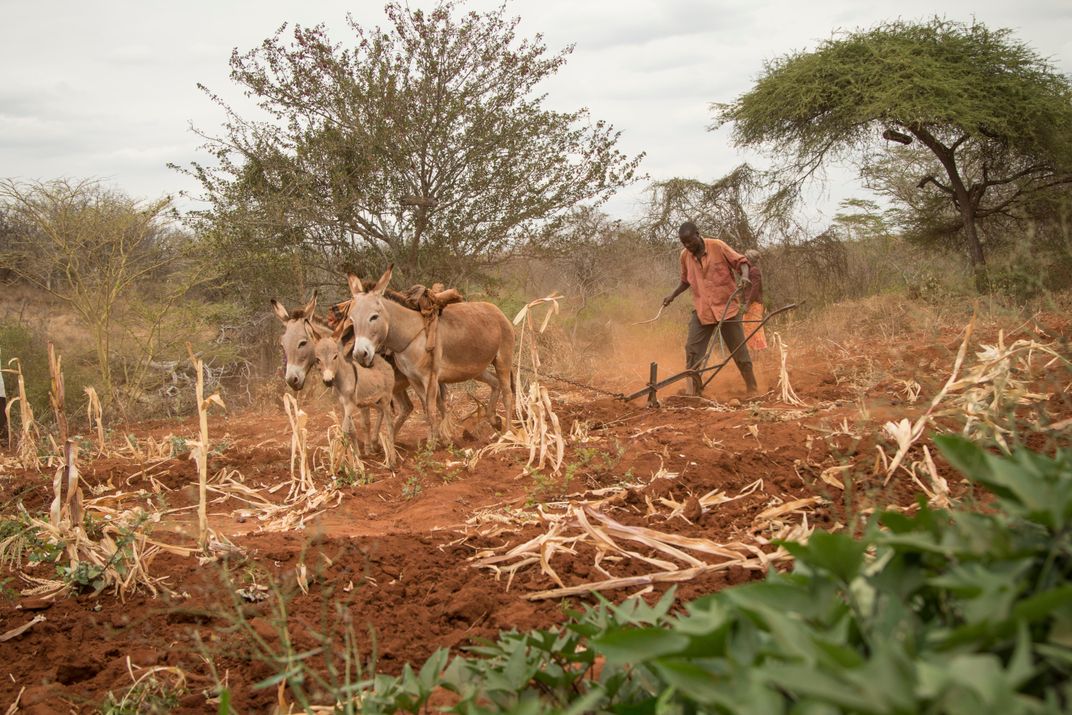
(220, 447)
(155, 693)
(179, 446)
(426, 462)
(348, 476)
(412, 487)
(21, 542)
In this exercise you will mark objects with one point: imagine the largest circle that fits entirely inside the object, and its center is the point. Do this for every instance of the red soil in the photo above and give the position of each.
(400, 566)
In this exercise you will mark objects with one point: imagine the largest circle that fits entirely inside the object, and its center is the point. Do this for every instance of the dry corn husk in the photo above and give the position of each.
(299, 436)
(536, 426)
(56, 392)
(200, 448)
(19, 630)
(29, 435)
(673, 558)
(125, 572)
(95, 415)
(785, 389)
(997, 384)
(339, 454)
(906, 433)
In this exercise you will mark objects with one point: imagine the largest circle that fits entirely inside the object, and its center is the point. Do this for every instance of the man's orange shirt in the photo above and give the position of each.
(711, 280)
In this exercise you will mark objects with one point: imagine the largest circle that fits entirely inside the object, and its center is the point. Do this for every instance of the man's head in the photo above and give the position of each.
(689, 236)
(753, 256)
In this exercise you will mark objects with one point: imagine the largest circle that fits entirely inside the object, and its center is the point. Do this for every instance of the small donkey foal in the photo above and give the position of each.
(357, 388)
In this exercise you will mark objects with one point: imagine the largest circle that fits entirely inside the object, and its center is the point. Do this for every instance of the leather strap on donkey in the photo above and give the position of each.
(431, 303)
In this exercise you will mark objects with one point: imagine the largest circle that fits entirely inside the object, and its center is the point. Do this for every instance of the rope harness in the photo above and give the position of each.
(429, 302)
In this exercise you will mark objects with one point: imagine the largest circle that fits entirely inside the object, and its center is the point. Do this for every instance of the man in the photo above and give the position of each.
(711, 269)
(753, 302)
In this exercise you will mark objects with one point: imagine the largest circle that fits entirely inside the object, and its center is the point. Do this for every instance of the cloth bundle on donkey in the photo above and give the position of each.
(428, 301)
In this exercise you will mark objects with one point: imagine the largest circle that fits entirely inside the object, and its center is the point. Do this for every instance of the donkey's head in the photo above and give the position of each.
(297, 347)
(368, 313)
(327, 350)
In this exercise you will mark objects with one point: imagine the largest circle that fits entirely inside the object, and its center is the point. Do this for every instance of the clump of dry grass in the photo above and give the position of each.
(339, 455)
(152, 689)
(117, 555)
(997, 384)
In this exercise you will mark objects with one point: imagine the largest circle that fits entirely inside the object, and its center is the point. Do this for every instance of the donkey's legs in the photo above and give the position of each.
(489, 378)
(385, 418)
(365, 422)
(422, 385)
(405, 405)
(377, 425)
(348, 427)
(503, 360)
(433, 388)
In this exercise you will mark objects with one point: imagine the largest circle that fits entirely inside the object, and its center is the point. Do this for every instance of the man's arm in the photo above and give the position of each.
(681, 288)
(745, 280)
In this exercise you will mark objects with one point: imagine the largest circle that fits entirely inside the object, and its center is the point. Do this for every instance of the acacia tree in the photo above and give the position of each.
(995, 115)
(425, 144)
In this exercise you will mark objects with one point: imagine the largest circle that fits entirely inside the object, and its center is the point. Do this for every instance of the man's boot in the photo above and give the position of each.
(693, 386)
(749, 377)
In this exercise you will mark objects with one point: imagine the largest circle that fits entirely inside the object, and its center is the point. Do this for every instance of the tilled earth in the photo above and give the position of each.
(393, 561)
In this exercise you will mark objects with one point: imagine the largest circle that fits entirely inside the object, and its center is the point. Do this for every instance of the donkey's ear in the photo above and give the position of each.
(280, 311)
(310, 307)
(311, 330)
(340, 328)
(355, 284)
(381, 285)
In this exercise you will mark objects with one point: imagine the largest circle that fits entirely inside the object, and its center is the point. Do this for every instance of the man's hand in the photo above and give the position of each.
(745, 281)
(668, 300)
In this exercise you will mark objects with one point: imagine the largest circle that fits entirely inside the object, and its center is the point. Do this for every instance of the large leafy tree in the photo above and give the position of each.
(993, 116)
(425, 143)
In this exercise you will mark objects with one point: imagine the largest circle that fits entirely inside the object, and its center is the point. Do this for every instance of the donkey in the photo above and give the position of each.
(356, 388)
(471, 337)
(299, 355)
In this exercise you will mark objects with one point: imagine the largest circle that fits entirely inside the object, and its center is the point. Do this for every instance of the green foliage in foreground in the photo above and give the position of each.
(940, 612)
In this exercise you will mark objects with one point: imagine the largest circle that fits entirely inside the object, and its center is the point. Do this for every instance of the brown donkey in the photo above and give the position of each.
(300, 357)
(357, 388)
(470, 338)
(297, 347)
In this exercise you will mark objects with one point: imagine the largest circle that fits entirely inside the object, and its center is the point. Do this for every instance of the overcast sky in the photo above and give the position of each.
(107, 88)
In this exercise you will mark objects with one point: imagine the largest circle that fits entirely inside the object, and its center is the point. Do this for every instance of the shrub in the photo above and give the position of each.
(17, 341)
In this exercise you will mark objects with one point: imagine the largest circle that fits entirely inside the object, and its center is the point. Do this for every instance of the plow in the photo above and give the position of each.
(706, 372)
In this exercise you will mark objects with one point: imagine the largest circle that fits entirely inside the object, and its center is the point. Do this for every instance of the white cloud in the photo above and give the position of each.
(107, 88)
